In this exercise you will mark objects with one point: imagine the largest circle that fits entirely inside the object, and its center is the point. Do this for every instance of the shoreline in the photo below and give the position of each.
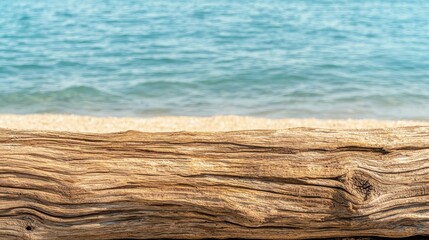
(91, 124)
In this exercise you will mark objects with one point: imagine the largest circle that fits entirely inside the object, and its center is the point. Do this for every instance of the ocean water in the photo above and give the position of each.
(322, 59)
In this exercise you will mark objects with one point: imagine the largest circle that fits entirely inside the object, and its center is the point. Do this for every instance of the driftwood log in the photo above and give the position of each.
(284, 184)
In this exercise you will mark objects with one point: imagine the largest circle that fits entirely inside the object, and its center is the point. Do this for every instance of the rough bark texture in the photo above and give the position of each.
(296, 183)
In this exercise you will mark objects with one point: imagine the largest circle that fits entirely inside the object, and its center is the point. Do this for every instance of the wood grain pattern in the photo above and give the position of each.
(281, 184)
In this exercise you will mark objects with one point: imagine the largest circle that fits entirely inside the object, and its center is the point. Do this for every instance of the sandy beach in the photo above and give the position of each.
(74, 123)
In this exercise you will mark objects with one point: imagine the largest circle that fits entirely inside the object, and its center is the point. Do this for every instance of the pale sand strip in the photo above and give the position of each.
(168, 124)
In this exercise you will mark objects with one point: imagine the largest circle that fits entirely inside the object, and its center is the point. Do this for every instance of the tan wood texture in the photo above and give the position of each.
(277, 184)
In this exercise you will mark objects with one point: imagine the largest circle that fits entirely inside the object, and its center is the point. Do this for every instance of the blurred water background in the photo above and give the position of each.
(296, 58)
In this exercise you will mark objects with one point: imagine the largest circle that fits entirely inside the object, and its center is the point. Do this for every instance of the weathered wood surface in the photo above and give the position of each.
(296, 183)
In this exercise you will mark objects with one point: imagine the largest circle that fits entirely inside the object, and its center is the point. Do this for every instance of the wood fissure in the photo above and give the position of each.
(277, 184)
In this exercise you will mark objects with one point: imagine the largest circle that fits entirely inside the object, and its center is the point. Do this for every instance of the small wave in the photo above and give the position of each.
(70, 94)
(156, 88)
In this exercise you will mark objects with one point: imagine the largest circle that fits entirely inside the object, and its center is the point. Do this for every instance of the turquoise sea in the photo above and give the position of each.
(296, 58)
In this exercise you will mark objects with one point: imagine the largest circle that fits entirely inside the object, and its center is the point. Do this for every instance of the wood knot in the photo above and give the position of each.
(363, 186)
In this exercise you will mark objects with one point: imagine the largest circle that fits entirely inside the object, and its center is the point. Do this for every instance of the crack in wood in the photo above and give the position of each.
(363, 185)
